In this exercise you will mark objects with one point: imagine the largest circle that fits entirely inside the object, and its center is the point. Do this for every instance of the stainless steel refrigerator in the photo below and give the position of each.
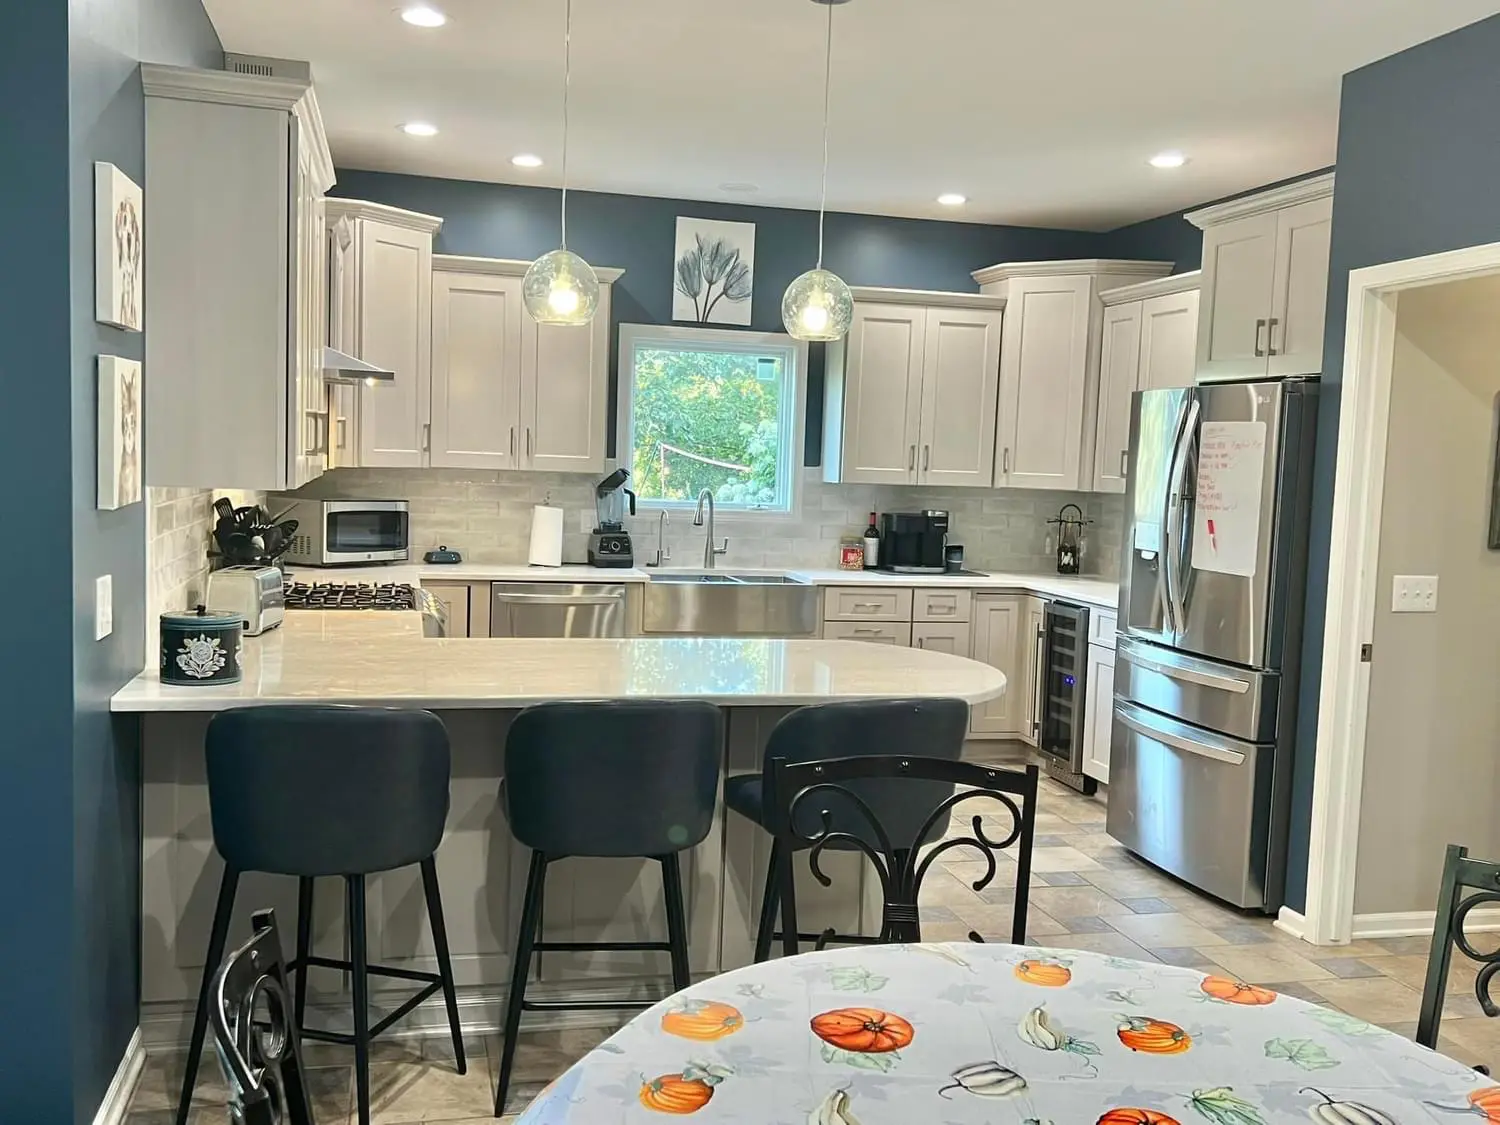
(1210, 632)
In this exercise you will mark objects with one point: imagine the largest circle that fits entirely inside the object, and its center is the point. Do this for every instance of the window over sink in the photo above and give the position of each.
(712, 408)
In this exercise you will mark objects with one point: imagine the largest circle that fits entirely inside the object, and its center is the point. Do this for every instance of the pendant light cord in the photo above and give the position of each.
(567, 82)
(827, 87)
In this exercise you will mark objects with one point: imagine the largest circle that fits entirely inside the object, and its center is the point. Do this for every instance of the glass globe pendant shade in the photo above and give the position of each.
(561, 288)
(817, 306)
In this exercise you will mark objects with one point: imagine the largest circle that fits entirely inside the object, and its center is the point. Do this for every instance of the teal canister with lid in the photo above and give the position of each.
(200, 646)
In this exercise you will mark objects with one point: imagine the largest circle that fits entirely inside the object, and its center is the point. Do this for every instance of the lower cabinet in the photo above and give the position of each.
(996, 636)
(454, 597)
(951, 638)
(1098, 712)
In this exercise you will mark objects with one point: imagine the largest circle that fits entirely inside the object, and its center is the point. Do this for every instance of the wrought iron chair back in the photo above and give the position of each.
(803, 794)
(255, 1037)
(1460, 873)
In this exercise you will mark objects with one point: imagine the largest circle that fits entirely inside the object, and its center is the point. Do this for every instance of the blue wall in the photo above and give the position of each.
(1418, 165)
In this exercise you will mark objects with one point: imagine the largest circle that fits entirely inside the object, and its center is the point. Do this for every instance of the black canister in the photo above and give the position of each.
(200, 646)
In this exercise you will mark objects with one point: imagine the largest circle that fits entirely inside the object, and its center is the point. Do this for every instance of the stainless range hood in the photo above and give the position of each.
(340, 367)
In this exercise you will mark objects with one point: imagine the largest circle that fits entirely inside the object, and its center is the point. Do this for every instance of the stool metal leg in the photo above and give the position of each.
(765, 932)
(784, 875)
(671, 877)
(217, 939)
(531, 913)
(445, 963)
(304, 948)
(360, 963)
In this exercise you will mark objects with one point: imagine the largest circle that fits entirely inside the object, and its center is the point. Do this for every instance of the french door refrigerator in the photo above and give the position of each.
(1210, 632)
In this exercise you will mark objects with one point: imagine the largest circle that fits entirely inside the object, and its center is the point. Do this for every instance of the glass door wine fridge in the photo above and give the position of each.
(1061, 687)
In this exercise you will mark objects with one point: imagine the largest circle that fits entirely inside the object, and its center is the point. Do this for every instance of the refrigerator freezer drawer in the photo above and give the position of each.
(1201, 692)
(1196, 804)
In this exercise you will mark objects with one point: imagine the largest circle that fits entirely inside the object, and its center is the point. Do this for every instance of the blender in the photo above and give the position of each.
(609, 542)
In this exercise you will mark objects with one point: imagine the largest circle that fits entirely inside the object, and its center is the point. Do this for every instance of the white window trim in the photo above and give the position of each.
(632, 335)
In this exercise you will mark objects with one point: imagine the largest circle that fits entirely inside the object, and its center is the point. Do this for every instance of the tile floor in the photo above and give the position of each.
(1087, 893)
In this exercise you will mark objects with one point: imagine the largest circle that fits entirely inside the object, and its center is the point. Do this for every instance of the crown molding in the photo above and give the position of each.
(221, 87)
(505, 267)
(382, 213)
(1277, 199)
(310, 119)
(1075, 267)
(1157, 287)
(926, 297)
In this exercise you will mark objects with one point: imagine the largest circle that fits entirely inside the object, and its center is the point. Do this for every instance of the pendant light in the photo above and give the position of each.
(560, 287)
(818, 305)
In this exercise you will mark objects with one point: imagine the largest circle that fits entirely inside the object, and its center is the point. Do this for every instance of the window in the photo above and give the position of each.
(709, 408)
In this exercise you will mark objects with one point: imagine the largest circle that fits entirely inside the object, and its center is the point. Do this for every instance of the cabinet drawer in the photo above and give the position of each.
(941, 605)
(939, 637)
(1102, 628)
(880, 633)
(867, 603)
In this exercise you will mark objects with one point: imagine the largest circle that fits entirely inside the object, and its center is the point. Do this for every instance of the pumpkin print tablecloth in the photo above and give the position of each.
(982, 1034)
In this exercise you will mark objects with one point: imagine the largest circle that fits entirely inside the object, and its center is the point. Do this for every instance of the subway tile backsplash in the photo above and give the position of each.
(179, 526)
(487, 516)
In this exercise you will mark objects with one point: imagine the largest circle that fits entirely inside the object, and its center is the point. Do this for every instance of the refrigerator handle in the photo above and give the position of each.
(1039, 686)
(1175, 522)
(1127, 716)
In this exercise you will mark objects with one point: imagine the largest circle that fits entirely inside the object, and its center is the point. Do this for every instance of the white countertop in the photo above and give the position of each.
(380, 658)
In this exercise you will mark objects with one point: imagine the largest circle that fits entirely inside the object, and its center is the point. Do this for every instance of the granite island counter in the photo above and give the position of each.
(476, 686)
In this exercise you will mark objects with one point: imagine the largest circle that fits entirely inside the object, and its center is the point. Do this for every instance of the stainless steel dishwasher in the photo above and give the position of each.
(557, 609)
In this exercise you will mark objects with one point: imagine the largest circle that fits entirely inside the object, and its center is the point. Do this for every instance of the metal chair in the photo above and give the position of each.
(1460, 873)
(622, 779)
(257, 1043)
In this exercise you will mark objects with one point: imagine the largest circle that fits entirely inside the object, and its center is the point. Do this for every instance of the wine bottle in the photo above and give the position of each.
(872, 544)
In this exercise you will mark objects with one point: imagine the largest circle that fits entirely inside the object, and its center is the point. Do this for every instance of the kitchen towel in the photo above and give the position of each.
(546, 536)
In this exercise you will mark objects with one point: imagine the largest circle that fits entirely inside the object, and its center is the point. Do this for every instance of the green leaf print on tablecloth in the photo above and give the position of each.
(1303, 1053)
(1344, 1023)
(881, 1062)
(856, 978)
(1221, 1106)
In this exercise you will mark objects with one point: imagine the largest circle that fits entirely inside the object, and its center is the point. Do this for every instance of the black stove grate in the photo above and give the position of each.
(350, 595)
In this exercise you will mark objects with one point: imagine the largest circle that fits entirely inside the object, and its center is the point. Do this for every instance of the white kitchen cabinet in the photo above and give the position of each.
(952, 637)
(1049, 366)
(565, 392)
(1169, 339)
(1265, 282)
(1119, 378)
(910, 393)
(996, 633)
(343, 398)
(1098, 712)
(237, 168)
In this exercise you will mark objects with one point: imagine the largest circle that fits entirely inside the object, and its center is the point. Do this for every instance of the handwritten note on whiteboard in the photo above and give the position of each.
(1226, 511)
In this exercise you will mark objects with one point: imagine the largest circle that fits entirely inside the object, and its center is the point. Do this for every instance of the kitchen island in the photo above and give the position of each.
(477, 686)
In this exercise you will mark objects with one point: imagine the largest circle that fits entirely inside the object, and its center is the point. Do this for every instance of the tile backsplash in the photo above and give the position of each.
(487, 516)
(179, 526)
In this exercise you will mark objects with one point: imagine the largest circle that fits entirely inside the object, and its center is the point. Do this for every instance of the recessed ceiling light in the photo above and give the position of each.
(1168, 160)
(526, 160)
(952, 199)
(739, 187)
(421, 15)
(419, 129)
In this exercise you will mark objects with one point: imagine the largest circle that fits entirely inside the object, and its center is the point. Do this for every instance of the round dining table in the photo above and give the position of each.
(980, 1034)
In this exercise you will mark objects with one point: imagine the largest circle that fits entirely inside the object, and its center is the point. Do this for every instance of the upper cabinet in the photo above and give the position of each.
(910, 393)
(1265, 282)
(1049, 366)
(237, 167)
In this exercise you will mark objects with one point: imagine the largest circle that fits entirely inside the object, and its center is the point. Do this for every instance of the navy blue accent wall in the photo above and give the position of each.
(637, 234)
(1418, 161)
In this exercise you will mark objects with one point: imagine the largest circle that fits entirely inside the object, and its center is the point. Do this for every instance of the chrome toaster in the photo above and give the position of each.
(253, 592)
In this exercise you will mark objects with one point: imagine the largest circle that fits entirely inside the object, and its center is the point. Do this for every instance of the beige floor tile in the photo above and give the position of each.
(1257, 964)
(1093, 843)
(947, 931)
(1110, 944)
(1376, 999)
(940, 888)
(546, 1054)
(994, 923)
(1478, 1037)
(1411, 970)
(161, 1082)
(1129, 884)
(1360, 949)
(1076, 902)
(1062, 859)
(420, 1092)
(970, 871)
(202, 1115)
(1171, 930)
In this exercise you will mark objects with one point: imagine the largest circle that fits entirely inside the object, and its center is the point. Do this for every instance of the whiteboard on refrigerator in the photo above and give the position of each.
(1227, 506)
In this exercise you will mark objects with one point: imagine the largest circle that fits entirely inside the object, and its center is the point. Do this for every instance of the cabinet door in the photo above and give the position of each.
(394, 303)
(1119, 370)
(1043, 377)
(476, 371)
(996, 639)
(343, 398)
(1098, 712)
(952, 638)
(309, 403)
(1299, 297)
(883, 394)
(960, 379)
(564, 393)
(1169, 341)
(1239, 260)
(455, 599)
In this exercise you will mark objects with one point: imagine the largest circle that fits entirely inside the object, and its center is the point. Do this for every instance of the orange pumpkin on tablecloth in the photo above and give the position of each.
(1153, 1037)
(1048, 974)
(1236, 992)
(702, 1019)
(1487, 1102)
(672, 1093)
(863, 1030)
(1127, 1116)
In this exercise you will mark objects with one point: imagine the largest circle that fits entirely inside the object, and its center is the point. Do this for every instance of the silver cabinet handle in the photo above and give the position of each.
(1177, 741)
(868, 632)
(1039, 693)
(1271, 335)
(559, 599)
(528, 442)
(926, 456)
(343, 433)
(426, 437)
(1005, 461)
(320, 431)
(1124, 462)
(1259, 326)
(921, 642)
(911, 459)
(512, 441)
(866, 605)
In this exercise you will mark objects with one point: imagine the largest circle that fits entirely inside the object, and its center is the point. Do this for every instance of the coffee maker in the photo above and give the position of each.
(609, 542)
(913, 542)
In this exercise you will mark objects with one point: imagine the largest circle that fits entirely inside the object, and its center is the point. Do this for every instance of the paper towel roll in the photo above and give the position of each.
(546, 536)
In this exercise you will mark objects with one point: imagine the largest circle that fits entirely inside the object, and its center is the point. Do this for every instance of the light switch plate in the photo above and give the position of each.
(104, 606)
(1414, 593)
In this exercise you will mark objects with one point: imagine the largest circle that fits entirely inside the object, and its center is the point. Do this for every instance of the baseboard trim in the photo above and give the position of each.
(122, 1085)
(1418, 923)
(1290, 921)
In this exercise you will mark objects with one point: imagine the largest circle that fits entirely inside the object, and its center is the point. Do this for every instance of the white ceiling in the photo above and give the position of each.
(1043, 113)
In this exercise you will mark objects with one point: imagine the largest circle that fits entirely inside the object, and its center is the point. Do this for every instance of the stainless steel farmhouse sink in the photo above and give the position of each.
(730, 605)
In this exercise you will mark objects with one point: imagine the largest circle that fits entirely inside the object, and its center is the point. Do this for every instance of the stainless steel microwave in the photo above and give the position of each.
(346, 532)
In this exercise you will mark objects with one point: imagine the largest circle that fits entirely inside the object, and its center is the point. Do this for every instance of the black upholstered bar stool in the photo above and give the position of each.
(325, 791)
(621, 779)
(931, 728)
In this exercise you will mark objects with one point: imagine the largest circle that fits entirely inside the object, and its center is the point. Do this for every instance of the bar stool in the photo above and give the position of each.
(932, 728)
(607, 779)
(325, 791)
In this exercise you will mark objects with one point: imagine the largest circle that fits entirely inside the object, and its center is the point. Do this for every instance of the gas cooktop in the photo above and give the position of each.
(350, 595)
